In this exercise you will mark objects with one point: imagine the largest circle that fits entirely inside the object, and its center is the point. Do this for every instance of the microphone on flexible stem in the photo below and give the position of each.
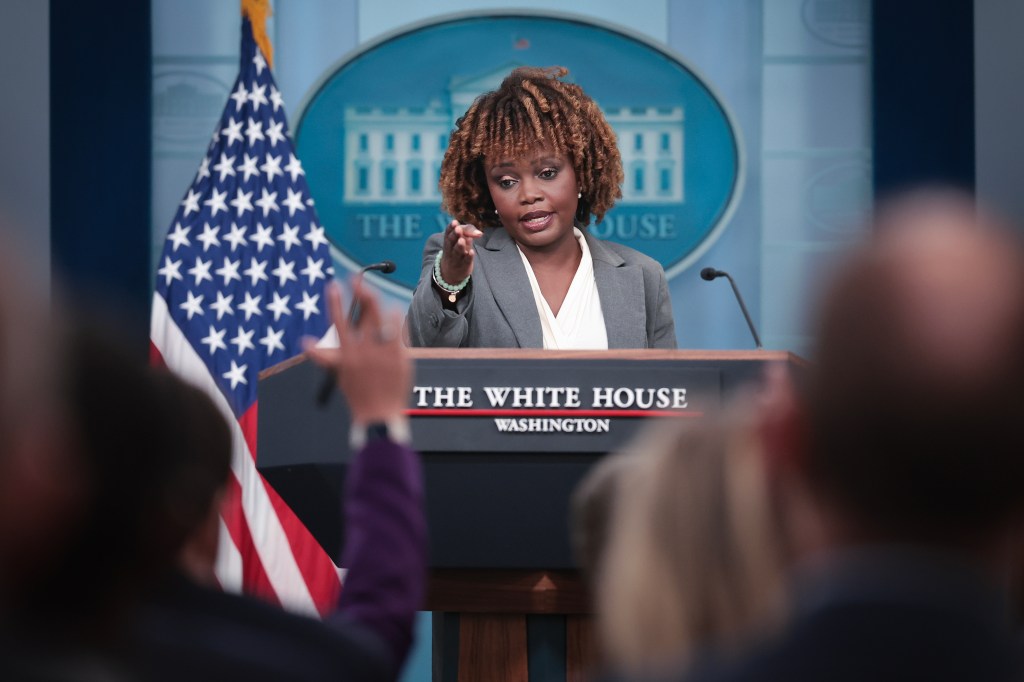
(708, 274)
(385, 267)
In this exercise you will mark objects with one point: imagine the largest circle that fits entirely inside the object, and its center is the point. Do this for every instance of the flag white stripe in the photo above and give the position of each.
(228, 566)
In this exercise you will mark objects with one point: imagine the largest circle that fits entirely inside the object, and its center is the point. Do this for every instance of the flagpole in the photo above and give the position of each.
(257, 11)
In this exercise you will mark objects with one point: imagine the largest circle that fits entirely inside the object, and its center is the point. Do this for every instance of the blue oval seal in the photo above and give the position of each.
(372, 134)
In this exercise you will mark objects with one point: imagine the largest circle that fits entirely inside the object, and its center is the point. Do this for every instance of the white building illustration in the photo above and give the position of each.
(651, 142)
(393, 155)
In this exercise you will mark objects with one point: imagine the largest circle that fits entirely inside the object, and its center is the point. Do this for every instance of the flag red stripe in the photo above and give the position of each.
(249, 422)
(516, 412)
(155, 358)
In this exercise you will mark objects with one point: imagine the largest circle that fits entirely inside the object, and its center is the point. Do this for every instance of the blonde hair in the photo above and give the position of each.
(696, 549)
(590, 511)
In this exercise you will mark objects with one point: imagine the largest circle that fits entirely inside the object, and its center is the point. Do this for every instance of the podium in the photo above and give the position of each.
(505, 436)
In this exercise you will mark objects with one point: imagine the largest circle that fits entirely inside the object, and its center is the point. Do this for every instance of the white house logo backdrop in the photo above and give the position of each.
(374, 132)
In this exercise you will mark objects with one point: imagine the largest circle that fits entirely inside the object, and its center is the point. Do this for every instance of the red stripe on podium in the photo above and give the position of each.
(457, 412)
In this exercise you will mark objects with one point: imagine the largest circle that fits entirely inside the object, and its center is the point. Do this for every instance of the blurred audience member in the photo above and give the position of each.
(38, 486)
(591, 509)
(41, 492)
(129, 595)
(190, 630)
(696, 549)
(907, 444)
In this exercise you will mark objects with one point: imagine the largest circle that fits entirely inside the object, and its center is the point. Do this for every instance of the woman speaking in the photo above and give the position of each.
(525, 169)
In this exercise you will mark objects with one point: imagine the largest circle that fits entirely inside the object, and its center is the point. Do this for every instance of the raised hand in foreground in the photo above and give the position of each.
(371, 365)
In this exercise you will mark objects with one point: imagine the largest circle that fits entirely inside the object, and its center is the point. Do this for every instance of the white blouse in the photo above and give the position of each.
(579, 324)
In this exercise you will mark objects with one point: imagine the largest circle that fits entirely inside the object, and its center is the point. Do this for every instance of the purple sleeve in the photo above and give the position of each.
(385, 543)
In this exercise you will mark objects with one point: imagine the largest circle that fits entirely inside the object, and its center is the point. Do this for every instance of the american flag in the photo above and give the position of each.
(239, 283)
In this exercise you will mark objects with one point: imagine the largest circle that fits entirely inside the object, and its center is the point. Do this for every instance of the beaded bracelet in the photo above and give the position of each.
(452, 290)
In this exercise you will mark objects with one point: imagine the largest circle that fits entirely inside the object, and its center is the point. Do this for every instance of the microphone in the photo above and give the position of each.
(708, 274)
(385, 267)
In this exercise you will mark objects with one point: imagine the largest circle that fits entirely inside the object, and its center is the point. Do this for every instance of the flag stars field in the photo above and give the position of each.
(241, 96)
(314, 270)
(315, 237)
(236, 375)
(289, 237)
(274, 134)
(294, 202)
(233, 131)
(236, 236)
(254, 131)
(308, 305)
(222, 306)
(263, 236)
(215, 340)
(257, 96)
(285, 272)
(243, 340)
(272, 167)
(248, 167)
(256, 272)
(170, 271)
(216, 202)
(193, 305)
(191, 202)
(179, 236)
(267, 201)
(201, 270)
(229, 271)
(279, 306)
(225, 166)
(294, 168)
(242, 201)
(272, 340)
(250, 306)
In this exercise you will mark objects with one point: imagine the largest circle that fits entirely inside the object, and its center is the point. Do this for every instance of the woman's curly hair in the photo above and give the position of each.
(532, 108)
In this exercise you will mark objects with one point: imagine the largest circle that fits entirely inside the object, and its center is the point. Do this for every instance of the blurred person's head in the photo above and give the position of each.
(591, 510)
(152, 455)
(696, 549)
(910, 428)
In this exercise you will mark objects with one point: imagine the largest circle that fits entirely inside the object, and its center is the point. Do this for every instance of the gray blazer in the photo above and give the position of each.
(498, 311)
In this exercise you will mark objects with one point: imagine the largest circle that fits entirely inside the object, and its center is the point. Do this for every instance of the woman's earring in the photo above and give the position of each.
(579, 195)
(582, 212)
(495, 211)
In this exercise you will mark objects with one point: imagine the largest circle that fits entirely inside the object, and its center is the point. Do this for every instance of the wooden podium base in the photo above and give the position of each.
(511, 626)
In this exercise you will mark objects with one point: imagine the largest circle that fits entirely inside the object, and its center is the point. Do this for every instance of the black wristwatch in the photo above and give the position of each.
(395, 430)
(377, 431)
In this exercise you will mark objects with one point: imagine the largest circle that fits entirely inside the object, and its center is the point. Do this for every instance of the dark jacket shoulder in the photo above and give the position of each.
(187, 631)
